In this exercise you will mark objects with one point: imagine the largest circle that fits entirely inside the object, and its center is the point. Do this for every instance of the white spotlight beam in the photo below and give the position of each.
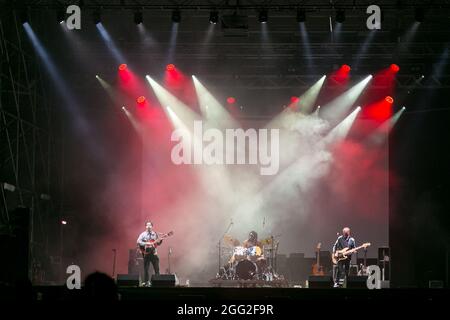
(167, 99)
(382, 132)
(306, 104)
(306, 169)
(117, 54)
(341, 131)
(109, 90)
(132, 119)
(336, 109)
(212, 110)
(308, 99)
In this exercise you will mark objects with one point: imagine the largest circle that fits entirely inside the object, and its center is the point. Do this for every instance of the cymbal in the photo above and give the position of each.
(229, 240)
(266, 241)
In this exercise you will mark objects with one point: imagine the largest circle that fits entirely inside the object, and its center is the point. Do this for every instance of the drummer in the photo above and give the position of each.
(252, 240)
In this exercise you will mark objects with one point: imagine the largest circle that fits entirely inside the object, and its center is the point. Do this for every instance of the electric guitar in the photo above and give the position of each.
(317, 269)
(344, 253)
(151, 245)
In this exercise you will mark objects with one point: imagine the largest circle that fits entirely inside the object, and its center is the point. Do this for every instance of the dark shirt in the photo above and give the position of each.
(342, 243)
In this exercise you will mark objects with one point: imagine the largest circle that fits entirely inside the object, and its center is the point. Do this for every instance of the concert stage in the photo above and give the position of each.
(215, 150)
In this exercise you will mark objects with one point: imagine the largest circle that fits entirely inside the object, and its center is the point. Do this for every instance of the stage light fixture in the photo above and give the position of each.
(97, 16)
(346, 68)
(263, 16)
(140, 100)
(176, 16)
(301, 15)
(213, 17)
(231, 100)
(295, 99)
(9, 187)
(60, 16)
(45, 197)
(123, 67)
(389, 99)
(340, 16)
(138, 17)
(23, 14)
(170, 67)
(419, 14)
(394, 68)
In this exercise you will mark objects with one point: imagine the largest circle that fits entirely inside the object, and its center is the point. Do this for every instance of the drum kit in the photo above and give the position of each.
(248, 263)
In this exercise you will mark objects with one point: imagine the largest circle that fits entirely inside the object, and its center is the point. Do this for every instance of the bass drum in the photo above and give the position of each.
(246, 270)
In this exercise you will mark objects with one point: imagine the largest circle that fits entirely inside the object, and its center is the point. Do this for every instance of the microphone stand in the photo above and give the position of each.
(220, 245)
(168, 258)
(114, 263)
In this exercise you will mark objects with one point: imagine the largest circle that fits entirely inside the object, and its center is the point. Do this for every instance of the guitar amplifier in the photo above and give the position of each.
(384, 260)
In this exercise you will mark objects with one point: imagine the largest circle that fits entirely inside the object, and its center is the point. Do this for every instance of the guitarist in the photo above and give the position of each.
(343, 267)
(150, 255)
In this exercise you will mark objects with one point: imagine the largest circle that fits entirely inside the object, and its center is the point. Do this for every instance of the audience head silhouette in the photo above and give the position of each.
(100, 286)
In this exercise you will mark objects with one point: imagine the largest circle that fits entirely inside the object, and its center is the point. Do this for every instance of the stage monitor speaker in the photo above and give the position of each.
(357, 282)
(128, 280)
(320, 282)
(163, 280)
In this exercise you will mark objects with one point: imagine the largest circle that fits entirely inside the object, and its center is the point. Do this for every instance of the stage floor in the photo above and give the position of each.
(199, 294)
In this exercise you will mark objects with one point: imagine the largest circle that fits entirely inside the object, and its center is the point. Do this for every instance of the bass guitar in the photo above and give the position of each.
(344, 253)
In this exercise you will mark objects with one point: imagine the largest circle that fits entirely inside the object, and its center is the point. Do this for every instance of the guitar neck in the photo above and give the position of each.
(354, 249)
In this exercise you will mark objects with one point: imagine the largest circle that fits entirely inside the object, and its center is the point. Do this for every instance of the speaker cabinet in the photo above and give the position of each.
(384, 261)
(163, 280)
(14, 248)
(320, 282)
(128, 280)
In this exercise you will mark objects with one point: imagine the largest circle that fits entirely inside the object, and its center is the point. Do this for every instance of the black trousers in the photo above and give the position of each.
(343, 268)
(154, 260)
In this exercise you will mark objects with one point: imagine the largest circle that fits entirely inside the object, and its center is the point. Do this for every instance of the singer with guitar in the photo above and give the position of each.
(147, 243)
(343, 266)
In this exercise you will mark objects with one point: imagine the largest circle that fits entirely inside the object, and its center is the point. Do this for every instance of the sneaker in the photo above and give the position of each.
(336, 285)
